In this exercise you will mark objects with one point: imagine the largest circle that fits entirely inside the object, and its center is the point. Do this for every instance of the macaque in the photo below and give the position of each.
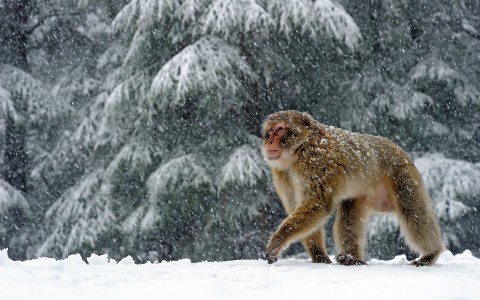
(316, 168)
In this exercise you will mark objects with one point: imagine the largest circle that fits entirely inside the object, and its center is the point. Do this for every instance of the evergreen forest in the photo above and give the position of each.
(132, 128)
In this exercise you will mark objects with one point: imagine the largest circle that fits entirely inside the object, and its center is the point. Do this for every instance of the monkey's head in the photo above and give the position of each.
(283, 134)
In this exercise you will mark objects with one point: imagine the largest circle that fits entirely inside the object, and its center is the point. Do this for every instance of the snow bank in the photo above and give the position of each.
(453, 277)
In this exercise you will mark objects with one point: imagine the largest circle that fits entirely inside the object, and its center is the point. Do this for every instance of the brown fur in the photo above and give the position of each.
(316, 168)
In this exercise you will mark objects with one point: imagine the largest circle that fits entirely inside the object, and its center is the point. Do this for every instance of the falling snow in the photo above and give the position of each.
(132, 128)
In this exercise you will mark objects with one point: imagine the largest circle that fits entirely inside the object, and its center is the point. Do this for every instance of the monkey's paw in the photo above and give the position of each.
(321, 258)
(348, 259)
(271, 259)
(273, 248)
(417, 263)
(420, 263)
(423, 261)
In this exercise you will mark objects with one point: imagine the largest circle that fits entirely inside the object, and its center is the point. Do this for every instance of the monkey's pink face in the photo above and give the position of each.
(273, 138)
(273, 147)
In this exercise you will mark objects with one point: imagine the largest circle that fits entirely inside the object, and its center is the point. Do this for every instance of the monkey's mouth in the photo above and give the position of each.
(273, 154)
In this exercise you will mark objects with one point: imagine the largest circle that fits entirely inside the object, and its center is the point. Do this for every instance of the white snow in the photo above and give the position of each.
(453, 277)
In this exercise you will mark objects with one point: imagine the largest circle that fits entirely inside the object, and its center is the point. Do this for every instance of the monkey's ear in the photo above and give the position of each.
(307, 121)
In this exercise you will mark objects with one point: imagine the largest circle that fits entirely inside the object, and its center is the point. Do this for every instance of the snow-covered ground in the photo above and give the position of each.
(453, 277)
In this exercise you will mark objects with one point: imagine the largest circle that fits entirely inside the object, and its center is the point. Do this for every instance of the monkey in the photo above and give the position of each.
(317, 168)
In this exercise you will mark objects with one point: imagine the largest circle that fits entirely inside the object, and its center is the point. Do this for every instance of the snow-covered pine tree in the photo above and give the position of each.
(175, 158)
(24, 104)
(145, 142)
(47, 52)
(415, 85)
(414, 82)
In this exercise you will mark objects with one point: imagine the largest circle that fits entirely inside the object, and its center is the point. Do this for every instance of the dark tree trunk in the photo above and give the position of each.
(252, 109)
(414, 19)
(375, 14)
(15, 165)
(14, 52)
(15, 33)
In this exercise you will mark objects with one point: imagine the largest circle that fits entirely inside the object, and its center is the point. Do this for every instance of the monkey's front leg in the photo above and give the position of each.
(304, 220)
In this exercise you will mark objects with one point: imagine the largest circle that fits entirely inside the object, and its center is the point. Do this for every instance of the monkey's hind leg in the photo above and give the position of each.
(417, 220)
(349, 232)
(315, 246)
